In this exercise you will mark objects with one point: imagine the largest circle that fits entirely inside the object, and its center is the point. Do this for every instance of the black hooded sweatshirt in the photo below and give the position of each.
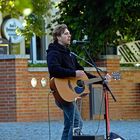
(61, 63)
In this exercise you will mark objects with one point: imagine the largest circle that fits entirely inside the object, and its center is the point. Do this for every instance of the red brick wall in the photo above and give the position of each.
(126, 91)
(7, 90)
(19, 101)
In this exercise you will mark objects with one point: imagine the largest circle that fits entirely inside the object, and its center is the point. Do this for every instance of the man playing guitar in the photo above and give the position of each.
(62, 64)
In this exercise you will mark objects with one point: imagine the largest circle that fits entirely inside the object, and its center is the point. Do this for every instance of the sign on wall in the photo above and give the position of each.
(130, 52)
(9, 30)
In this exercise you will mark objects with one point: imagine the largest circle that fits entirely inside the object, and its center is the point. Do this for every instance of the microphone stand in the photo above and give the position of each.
(106, 89)
(97, 69)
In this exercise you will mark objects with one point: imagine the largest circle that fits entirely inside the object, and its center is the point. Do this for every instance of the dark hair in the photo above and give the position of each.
(58, 30)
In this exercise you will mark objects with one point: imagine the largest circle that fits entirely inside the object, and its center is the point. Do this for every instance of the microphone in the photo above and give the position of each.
(76, 42)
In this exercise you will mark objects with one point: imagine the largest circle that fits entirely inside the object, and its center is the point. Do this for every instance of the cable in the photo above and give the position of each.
(73, 129)
(77, 129)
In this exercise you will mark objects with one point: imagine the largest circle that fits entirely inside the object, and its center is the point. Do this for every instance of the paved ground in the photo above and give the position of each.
(130, 130)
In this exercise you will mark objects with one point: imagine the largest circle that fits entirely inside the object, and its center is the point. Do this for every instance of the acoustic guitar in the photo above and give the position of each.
(68, 89)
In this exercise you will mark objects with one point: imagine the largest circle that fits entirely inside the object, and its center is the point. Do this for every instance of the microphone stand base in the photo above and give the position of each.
(88, 137)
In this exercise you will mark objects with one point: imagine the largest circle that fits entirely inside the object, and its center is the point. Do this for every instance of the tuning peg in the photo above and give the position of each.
(116, 75)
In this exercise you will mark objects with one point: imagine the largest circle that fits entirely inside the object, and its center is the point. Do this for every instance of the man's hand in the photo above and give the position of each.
(80, 73)
(108, 77)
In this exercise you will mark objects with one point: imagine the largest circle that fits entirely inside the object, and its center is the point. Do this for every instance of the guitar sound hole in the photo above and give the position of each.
(79, 90)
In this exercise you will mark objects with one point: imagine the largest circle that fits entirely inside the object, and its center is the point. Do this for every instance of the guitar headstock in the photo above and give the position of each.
(116, 75)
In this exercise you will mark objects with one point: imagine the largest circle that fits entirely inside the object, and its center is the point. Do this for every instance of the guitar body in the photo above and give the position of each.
(68, 89)
(65, 90)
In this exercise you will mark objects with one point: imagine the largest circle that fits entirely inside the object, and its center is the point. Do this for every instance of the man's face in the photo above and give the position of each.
(65, 38)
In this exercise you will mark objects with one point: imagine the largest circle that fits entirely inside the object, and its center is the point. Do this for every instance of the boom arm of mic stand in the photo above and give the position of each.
(85, 61)
(97, 69)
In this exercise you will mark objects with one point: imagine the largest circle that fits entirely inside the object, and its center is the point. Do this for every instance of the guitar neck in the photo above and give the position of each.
(115, 75)
(92, 81)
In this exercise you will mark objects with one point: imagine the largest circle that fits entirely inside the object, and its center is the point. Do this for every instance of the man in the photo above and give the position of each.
(62, 64)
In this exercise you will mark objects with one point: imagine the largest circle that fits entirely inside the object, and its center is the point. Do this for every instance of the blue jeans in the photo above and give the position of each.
(72, 119)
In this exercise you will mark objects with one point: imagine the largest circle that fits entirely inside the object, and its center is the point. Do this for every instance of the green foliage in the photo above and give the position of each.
(130, 65)
(107, 23)
(34, 21)
(37, 65)
(8, 6)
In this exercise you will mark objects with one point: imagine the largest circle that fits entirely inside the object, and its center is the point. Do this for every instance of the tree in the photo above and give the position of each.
(34, 13)
(107, 23)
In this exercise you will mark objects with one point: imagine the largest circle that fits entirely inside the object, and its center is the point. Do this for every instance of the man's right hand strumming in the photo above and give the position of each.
(80, 73)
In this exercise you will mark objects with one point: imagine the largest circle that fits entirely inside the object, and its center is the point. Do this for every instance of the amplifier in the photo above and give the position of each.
(88, 137)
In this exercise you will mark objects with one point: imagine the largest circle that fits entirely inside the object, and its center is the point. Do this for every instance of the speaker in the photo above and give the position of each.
(114, 136)
(88, 137)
